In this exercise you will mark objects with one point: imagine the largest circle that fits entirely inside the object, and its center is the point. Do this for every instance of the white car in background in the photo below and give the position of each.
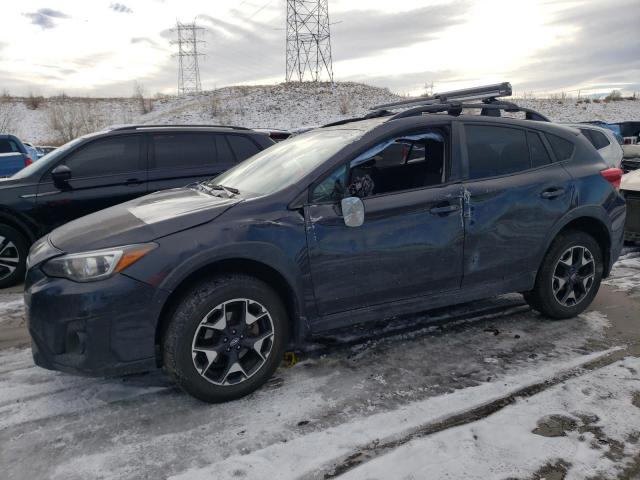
(630, 188)
(605, 142)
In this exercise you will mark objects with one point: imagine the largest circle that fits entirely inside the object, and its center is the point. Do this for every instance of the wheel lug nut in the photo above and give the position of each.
(241, 336)
(233, 331)
(228, 349)
(238, 347)
(225, 339)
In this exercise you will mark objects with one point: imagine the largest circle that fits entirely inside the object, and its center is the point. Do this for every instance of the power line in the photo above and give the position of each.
(308, 41)
(188, 57)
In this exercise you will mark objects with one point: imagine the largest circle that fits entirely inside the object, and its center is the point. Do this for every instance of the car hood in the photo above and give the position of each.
(141, 220)
(631, 181)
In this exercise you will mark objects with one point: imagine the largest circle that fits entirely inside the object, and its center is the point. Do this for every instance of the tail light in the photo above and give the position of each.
(613, 176)
(27, 162)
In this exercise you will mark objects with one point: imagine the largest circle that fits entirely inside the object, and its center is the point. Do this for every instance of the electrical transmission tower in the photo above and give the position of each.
(188, 57)
(308, 40)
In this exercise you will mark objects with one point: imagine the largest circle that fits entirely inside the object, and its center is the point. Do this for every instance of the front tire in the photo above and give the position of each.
(226, 338)
(13, 256)
(569, 276)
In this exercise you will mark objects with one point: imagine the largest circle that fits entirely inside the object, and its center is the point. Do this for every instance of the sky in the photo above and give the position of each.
(102, 47)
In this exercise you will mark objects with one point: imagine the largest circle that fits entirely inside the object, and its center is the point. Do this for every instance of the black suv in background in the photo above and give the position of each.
(106, 168)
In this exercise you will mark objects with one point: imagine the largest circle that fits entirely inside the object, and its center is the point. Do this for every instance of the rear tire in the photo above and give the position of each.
(226, 338)
(569, 276)
(13, 256)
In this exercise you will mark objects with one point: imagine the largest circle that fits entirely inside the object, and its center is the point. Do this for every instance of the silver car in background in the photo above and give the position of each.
(605, 142)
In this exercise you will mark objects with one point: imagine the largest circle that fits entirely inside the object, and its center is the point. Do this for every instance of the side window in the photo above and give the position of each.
(599, 140)
(225, 155)
(495, 151)
(402, 163)
(243, 147)
(537, 150)
(561, 147)
(8, 146)
(182, 150)
(587, 133)
(109, 156)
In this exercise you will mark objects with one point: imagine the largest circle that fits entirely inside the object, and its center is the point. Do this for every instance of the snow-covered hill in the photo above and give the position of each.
(284, 106)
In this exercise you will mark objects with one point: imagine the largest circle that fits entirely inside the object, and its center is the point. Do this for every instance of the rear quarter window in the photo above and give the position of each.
(599, 140)
(562, 148)
(242, 147)
(8, 146)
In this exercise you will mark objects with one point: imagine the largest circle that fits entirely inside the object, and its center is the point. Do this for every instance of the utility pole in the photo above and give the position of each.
(188, 57)
(308, 41)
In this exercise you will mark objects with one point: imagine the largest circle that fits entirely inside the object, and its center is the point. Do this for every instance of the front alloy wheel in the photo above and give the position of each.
(232, 342)
(226, 337)
(573, 276)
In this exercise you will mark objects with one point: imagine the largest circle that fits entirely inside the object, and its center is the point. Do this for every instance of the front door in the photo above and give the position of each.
(411, 242)
(105, 172)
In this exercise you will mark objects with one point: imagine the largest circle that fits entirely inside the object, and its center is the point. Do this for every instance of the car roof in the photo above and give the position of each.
(180, 128)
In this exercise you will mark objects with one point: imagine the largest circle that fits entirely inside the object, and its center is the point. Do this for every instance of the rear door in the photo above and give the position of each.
(515, 194)
(105, 172)
(179, 158)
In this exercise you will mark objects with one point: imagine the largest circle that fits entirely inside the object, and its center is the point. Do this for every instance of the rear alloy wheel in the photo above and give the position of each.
(13, 256)
(226, 338)
(573, 276)
(569, 276)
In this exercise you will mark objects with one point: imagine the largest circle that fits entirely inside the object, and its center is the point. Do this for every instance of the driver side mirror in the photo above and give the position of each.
(61, 175)
(352, 211)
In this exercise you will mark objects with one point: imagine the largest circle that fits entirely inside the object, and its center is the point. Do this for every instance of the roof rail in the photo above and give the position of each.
(373, 114)
(488, 108)
(133, 127)
(486, 92)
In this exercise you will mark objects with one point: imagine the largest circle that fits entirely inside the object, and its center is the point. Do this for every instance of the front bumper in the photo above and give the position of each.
(98, 328)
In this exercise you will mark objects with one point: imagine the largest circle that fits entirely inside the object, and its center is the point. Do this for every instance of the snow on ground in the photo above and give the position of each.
(286, 106)
(589, 426)
(626, 273)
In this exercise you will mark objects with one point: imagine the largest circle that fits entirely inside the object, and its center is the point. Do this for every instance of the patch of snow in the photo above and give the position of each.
(503, 445)
(625, 275)
(306, 454)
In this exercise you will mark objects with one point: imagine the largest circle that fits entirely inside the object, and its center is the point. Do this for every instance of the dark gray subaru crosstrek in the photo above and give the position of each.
(352, 222)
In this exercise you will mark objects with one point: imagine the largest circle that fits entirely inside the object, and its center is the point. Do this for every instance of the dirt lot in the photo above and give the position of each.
(493, 391)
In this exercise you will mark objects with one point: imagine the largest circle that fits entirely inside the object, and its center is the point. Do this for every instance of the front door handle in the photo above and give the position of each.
(133, 181)
(445, 209)
(552, 193)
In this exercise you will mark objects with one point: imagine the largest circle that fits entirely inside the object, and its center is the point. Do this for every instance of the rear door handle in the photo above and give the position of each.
(445, 209)
(133, 181)
(552, 193)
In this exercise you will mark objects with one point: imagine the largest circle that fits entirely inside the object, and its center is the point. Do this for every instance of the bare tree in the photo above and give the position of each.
(70, 120)
(139, 92)
(7, 115)
(34, 101)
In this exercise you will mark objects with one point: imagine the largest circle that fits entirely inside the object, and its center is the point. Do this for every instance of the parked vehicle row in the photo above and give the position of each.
(103, 169)
(605, 142)
(414, 206)
(14, 155)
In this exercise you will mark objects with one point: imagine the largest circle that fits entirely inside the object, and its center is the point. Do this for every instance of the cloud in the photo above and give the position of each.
(143, 40)
(44, 17)
(120, 8)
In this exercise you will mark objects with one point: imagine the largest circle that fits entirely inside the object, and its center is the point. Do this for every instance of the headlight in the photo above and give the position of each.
(96, 265)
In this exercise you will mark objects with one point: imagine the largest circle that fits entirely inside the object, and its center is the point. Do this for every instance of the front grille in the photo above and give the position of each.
(633, 211)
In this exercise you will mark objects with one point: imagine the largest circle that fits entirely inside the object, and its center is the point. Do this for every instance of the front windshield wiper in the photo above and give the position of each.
(214, 189)
(229, 190)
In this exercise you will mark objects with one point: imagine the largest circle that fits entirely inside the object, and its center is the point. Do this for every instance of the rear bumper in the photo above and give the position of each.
(100, 328)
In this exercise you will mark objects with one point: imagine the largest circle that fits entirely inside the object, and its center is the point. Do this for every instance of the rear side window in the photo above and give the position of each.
(225, 155)
(183, 150)
(243, 147)
(108, 156)
(8, 146)
(599, 140)
(495, 151)
(537, 150)
(561, 147)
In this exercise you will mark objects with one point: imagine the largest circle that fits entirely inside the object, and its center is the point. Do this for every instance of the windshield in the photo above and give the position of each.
(46, 160)
(285, 163)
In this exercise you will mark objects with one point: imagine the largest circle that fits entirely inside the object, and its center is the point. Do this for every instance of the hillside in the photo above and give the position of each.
(285, 106)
